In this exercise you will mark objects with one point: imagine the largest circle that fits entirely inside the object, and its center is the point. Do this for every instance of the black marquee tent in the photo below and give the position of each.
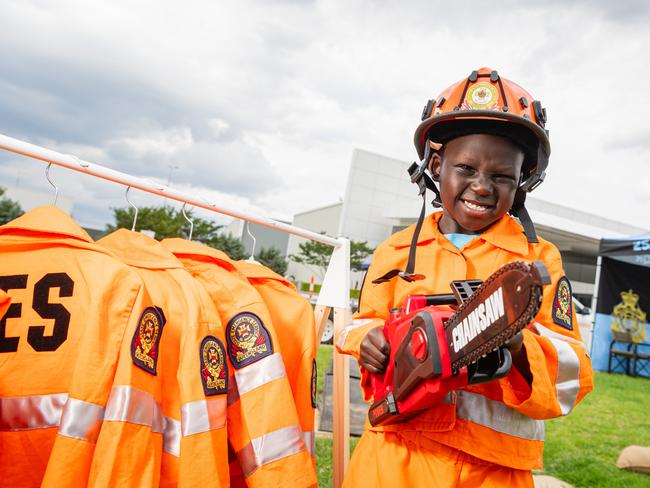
(622, 281)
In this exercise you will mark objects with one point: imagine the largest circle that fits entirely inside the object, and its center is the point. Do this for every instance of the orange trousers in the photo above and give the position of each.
(411, 460)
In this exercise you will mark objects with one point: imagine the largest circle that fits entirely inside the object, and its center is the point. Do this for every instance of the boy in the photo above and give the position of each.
(483, 140)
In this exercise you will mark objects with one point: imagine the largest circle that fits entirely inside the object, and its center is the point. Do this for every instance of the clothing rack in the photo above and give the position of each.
(334, 293)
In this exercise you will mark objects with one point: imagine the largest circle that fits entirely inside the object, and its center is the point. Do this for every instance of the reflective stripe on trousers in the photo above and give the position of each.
(567, 381)
(196, 417)
(260, 373)
(75, 418)
(270, 447)
(497, 416)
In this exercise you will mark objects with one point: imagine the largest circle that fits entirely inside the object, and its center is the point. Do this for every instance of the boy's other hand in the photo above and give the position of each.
(375, 351)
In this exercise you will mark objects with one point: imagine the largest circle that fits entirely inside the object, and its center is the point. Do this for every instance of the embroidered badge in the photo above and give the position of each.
(481, 96)
(146, 340)
(562, 311)
(248, 340)
(314, 375)
(214, 370)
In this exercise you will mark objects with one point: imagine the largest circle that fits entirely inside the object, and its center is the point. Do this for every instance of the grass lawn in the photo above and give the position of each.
(581, 448)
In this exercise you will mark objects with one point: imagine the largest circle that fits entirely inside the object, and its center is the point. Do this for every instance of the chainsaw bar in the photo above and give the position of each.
(499, 308)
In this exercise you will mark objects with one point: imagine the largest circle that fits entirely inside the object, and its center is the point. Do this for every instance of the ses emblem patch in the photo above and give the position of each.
(248, 340)
(562, 311)
(146, 340)
(214, 369)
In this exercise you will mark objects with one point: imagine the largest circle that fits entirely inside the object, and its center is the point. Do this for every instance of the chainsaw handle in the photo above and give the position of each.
(493, 366)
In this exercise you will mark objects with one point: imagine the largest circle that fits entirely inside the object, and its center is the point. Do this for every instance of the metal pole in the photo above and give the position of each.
(74, 163)
(594, 302)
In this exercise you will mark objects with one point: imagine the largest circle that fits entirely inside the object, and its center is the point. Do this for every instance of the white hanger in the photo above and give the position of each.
(135, 217)
(252, 259)
(56, 188)
(188, 219)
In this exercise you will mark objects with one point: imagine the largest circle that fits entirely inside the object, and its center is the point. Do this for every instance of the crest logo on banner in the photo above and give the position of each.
(627, 316)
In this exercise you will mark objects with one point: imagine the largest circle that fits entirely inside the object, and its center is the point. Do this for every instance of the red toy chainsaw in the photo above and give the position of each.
(440, 343)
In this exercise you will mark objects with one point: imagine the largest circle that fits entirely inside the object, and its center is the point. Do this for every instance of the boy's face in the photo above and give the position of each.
(478, 176)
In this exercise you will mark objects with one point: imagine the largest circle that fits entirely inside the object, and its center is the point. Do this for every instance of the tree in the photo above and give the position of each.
(229, 244)
(168, 222)
(9, 209)
(316, 255)
(272, 258)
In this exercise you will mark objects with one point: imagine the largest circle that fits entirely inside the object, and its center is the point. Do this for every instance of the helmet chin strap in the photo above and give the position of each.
(418, 175)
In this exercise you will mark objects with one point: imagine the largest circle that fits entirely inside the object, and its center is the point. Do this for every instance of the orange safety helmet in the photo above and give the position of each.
(486, 103)
(482, 103)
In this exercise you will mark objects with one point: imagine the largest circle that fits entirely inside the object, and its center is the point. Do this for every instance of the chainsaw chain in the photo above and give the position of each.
(499, 339)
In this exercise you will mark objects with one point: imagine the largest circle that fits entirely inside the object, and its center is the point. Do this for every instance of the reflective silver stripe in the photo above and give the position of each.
(260, 373)
(551, 334)
(309, 438)
(346, 330)
(31, 412)
(81, 420)
(128, 404)
(196, 417)
(497, 416)
(172, 436)
(567, 382)
(203, 415)
(269, 448)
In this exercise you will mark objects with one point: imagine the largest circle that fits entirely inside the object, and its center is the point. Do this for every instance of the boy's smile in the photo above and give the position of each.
(478, 176)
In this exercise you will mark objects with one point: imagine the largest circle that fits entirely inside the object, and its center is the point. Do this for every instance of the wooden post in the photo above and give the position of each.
(321, 313)
(341, 404)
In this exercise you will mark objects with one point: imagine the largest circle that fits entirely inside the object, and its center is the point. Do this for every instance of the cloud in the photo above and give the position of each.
(265, 102)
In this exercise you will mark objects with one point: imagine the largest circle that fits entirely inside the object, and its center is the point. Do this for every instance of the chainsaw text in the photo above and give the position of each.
(482, 317)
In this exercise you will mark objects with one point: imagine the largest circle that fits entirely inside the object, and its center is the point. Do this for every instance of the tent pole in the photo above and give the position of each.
(594, 302)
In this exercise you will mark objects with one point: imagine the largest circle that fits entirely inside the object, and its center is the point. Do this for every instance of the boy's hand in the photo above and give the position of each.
(375, 351)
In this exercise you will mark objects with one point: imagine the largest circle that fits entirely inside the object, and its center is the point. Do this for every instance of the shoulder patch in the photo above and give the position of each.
(314, 376)
(562, 304)
(214, 369)
(146, 340)
(248, 340)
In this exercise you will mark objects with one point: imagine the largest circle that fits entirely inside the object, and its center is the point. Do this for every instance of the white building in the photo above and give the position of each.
(380, 200)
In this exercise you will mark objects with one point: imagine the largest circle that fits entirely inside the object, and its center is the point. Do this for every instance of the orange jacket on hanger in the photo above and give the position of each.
(293, 319)
(268, 441)
(72, 305)
(189, 358)
(501, 421)
(5, 300)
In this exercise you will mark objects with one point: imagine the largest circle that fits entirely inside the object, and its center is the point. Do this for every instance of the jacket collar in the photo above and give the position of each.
(139, 250)
(506, 234)
(182, 247)
(47, 220)
(257, 271)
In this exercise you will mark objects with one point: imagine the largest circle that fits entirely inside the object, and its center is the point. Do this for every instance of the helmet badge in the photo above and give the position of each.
(481, 96)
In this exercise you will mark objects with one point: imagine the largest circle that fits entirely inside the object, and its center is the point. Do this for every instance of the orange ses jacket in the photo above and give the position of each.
(5, 300)
(182, 344)
(293, 318)
(501, 421)
(265, 433)
(60, 341)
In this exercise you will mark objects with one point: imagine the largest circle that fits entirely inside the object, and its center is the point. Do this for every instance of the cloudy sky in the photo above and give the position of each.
(258, 105)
